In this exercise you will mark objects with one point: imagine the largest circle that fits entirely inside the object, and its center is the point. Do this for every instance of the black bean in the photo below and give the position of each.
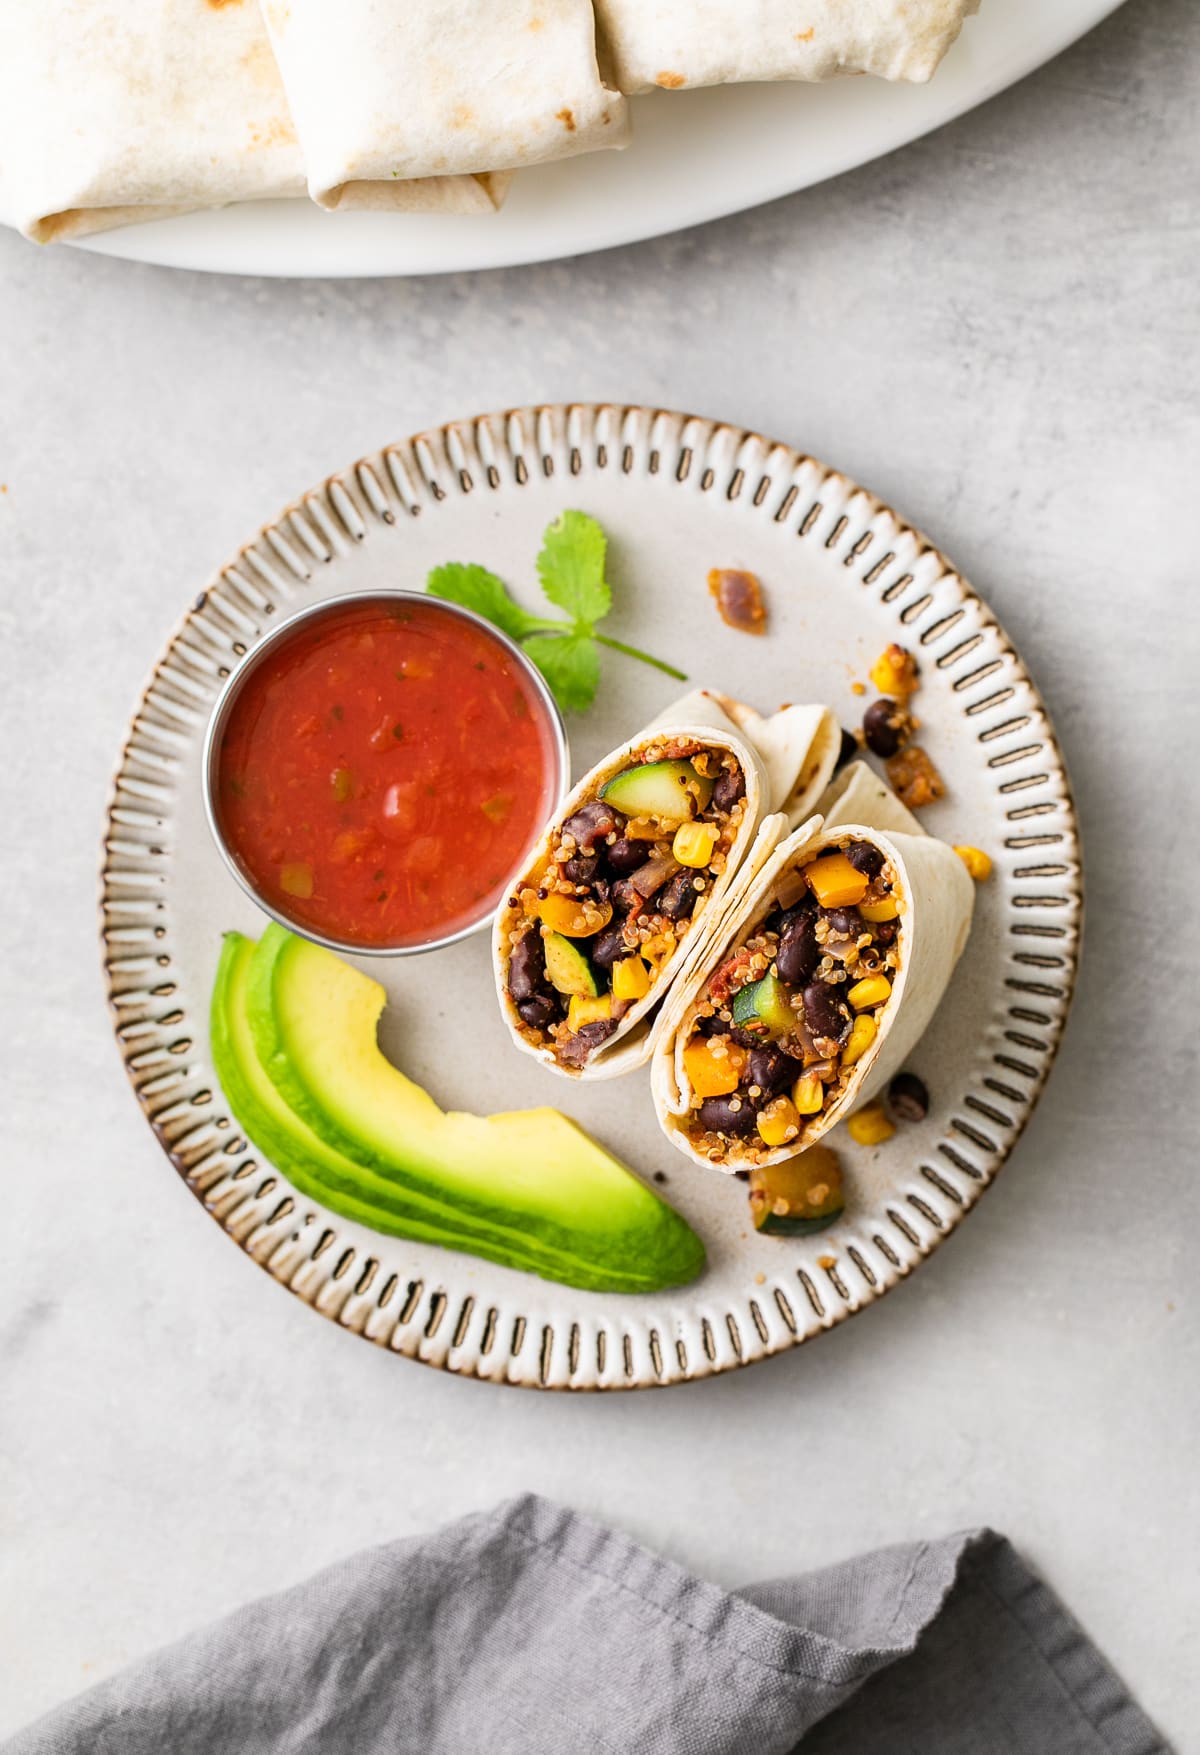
(733, 1115)
(745, 1038)
(527, 967)
(798, 952)
(884, 724)
(624, 856)
(679, 897)
(844, 922)
(538, 1011)
(848, 750)
(576, 1049)
(609, 946)
(909, 1097)
(884, 932)
(772, 1070)
(824, 1012)
(581, 868)
(729, 788)
(713, 1025)
(592, 822)
(865, 858)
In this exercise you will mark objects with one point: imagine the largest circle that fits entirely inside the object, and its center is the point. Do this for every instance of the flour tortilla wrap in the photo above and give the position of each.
(675, 43)
(698, 715)
(937, 899)
(446, 89)
(119, 110)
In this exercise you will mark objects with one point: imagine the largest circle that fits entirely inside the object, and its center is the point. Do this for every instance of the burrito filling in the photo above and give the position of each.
(626, 879)
(781, 1024)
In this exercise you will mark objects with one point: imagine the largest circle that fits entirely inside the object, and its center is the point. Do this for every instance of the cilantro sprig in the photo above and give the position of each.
(571, 567)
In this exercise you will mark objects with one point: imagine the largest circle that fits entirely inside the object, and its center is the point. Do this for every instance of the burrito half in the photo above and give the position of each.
(119, 110)
(447, 89)
(627, 882)
(675, 43)
(825, 970)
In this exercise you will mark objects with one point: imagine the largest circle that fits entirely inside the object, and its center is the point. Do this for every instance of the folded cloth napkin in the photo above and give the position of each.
(532, 1631)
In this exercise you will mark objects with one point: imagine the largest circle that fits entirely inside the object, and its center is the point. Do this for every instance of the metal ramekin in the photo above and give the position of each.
(332, 607)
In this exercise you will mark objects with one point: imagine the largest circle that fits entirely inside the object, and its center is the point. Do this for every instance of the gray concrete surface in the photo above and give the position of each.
(997, 330)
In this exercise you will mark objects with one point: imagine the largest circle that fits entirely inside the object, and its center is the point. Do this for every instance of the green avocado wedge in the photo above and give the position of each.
(294, 1034)
(316, 1169)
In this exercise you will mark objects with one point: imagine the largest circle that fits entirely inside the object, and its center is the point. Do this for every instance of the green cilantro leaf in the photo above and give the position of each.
(570, 663)
(475, 588)
(571, 567)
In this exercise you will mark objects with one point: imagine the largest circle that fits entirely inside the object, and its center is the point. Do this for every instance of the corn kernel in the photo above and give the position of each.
(834, 881)
(658, 947)
(714, 1071)
(875, 912)
(872, 990)
(583, 1011)
(894, 672)
(870, 1127)
(572, 917)
(694, 843)
(976, 862)
(808, 1094)
(861, 1037)
(779, 1124)
(630, 979)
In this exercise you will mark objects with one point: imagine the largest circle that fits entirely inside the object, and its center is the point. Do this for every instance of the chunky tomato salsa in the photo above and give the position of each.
(382, 772)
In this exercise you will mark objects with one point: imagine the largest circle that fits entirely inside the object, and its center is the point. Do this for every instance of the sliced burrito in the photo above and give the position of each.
(629, 878)
(675, 43)
(384, 94)
(826, 968)
(119, 110)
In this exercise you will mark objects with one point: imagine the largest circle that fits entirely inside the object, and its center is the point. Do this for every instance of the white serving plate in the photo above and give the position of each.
(843, 576)
(696, 156)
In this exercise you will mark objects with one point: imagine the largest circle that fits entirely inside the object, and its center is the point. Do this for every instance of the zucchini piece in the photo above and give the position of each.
(764, 1006)
(569, 968)
(671, 791)
(799, 1196)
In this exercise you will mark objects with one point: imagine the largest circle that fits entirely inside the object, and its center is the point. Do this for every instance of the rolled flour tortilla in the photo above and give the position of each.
(673, 43)
(936, 901)
(387, 91)
(119, 110)
(700, 717)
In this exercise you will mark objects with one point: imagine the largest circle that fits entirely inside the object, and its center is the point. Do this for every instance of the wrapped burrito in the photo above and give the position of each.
(632, 875)
(675, 43)
(825, 970)
(444, 89)
(113, 113)
(118, 110)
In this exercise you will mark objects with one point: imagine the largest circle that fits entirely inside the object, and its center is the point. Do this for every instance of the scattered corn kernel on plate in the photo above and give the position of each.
(840, 588)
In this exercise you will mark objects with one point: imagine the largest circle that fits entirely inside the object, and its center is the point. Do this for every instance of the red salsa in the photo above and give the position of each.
(383, 770)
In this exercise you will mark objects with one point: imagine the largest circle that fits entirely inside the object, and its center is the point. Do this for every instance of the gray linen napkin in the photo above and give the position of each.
(532, 1631)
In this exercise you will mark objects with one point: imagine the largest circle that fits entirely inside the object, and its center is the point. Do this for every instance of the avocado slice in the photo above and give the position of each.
(317, 1169)
(671, 791)
(569, 968)
(541, 1194)
(764, 1005)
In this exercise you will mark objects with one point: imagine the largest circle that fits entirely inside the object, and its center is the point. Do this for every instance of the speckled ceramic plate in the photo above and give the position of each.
(843, 576)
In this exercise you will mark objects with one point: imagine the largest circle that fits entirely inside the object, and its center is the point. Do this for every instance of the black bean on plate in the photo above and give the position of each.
(909, 1097)
(884, 727)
